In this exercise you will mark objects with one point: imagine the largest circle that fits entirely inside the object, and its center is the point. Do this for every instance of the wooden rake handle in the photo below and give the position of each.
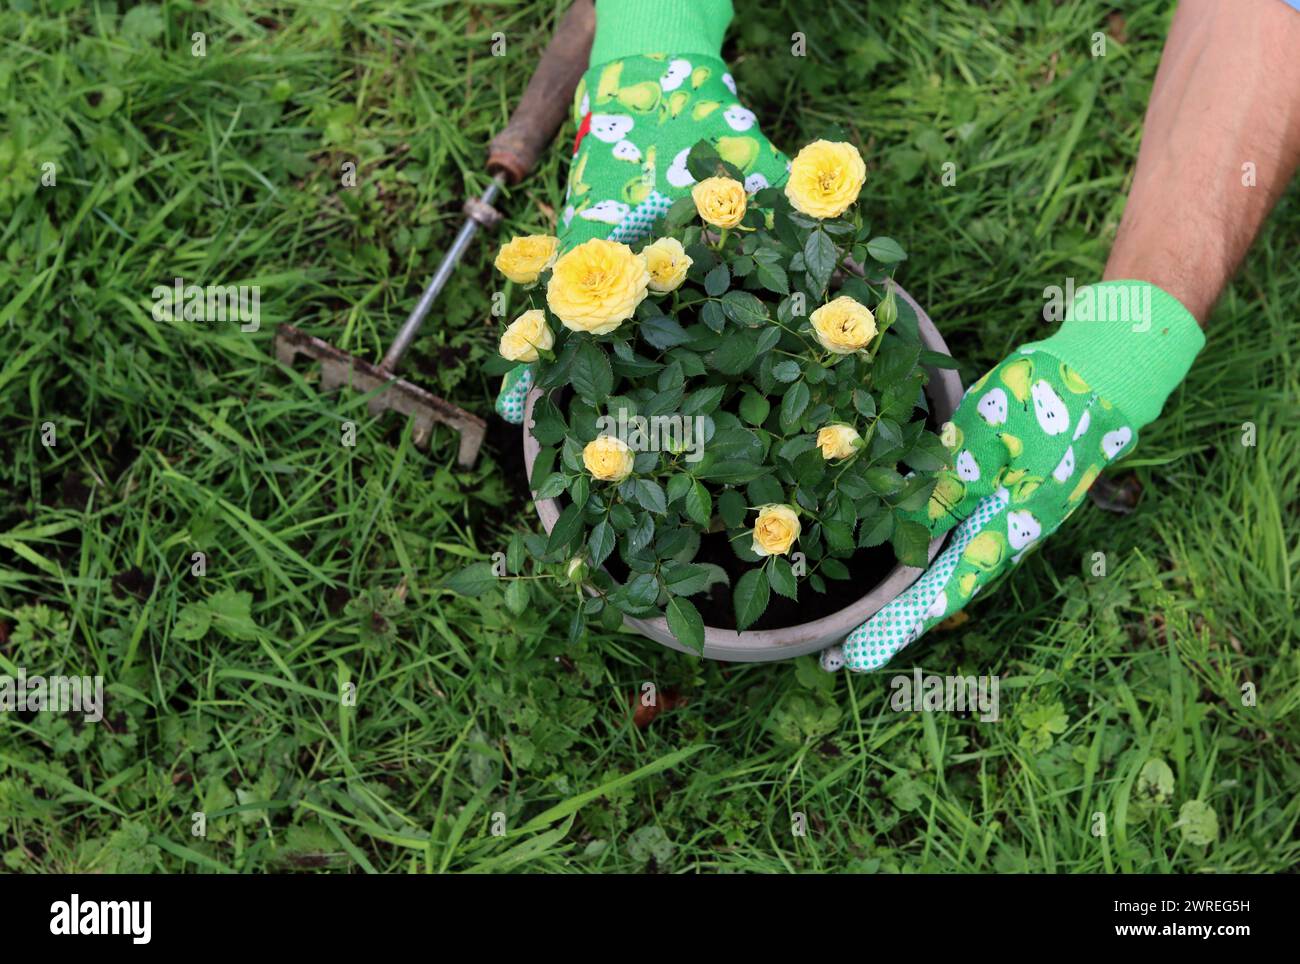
(542, 110)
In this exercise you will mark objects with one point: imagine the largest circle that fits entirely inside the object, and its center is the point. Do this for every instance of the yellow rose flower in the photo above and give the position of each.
(608, 458)
(843, 326)
(825, 178)
(720, 201)
(597, 286)
(838, 441)
(525, 335)
(775, 531)
(523, 259)
(667, 262)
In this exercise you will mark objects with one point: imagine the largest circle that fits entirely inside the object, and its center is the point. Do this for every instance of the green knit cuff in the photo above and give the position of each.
(1131, 341)
(628, 28)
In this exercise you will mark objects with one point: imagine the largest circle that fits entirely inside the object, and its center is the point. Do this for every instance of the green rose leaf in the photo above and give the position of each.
(651, 496)
(888, 435)
(686, 623)
(732, 508)
(911, 542)
(703, 161)
(678, 486)
(750, 598)
(590, 374)
(640, 535)
(663, 333)
(680, 214)
(474, 580)
(772, 277)
(600, 542)
(702, 400)
(699, 505)
(883, 480)
(876, 526)
(711, 314)
(786, 370)
(820, 257)
(685, 579)
(886, 250)
(517, 597)
(744, 308)
(737, 352)
(567, 529)
(642, 591)
(793, 404)
(754, 407)
(780, 576)
(717, 281)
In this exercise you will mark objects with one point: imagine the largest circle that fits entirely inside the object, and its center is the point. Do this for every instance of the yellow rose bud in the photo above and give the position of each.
(608, 458)
(667, 262)
(597, 286)
(775, 531)
(843, 326)
(825, 178)
(720, 201)
(838, 441)
(523, 259)
(525, 335)
(577, 569)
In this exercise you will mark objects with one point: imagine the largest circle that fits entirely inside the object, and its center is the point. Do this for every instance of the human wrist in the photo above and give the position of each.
(627, 28)
(1196, 277)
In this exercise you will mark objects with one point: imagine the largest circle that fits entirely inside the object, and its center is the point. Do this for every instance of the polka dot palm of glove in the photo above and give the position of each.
(655, 88)
(1030, 438)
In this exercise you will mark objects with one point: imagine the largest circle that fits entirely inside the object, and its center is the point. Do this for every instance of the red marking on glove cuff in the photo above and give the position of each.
(583, 129)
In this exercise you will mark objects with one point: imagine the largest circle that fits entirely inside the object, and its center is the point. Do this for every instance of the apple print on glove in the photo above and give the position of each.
(729, 82)
(739, 118)
(1065, 469)
(1053, 417)
(938, 606)
(1084, 421)
(993, 407)
(832, 659)
(755, 183)
(968, 469)
(676, 73)
(1112, 443)
(1022, 529)
(611, 128)
(627, 151)
(677, 174)
(606, 212)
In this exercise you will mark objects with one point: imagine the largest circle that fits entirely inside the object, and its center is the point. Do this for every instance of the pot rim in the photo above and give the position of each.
(944, 390)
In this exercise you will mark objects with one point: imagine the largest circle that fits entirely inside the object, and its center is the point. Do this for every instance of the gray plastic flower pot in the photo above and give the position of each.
(944, 391)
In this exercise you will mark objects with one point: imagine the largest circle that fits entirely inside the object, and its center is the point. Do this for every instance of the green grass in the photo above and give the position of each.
(178, 438)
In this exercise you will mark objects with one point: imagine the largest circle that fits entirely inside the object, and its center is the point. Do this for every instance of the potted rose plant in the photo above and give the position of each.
(729, 424)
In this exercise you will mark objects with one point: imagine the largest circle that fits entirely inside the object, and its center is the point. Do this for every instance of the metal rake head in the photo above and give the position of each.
(341, 370)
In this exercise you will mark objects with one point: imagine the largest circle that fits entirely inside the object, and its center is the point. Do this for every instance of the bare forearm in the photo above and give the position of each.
(1220, 143)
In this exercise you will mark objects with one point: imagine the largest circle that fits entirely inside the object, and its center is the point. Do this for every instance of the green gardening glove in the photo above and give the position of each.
(655, 88)
(1029, 439)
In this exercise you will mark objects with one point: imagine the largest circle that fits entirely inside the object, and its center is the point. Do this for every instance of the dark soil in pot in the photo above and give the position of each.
(866, 568)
